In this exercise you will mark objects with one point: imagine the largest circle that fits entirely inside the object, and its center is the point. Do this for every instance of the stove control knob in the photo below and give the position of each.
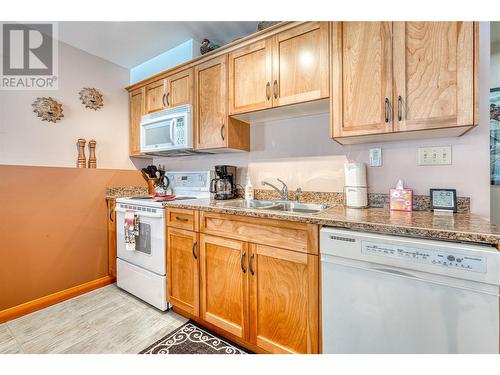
(451, 258)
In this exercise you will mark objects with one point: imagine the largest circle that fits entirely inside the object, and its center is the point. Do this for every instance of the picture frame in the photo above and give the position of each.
(443, 200)
(495, 136)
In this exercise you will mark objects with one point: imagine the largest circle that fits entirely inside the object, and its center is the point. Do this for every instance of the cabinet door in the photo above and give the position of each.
(155, 96)
(433, 74)
(250, 77)
(284, 312)
(224, 298)
(111, 237)
(300, 64)
(361, 78)
(182, 263)
(211, 103)
(179, 88)
(136, 99)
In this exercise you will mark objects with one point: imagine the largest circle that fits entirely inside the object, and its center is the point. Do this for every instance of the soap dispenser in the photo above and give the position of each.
(249, 189)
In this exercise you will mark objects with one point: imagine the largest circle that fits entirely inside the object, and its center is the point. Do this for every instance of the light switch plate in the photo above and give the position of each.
(440, 155)
(375, 157)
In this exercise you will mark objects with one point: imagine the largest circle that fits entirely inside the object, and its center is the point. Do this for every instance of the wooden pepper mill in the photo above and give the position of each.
(82, 161)
(92, 158)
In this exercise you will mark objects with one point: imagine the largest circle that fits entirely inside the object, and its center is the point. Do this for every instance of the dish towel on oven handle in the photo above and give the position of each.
(131, 229)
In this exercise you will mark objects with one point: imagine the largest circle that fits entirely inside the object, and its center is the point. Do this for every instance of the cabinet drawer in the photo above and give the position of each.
(279, 233)
(182, 219)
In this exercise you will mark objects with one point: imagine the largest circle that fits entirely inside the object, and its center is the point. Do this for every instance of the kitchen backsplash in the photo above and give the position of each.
(300, 152)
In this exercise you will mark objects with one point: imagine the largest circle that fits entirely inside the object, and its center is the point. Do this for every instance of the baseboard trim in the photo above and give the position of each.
(51, 299)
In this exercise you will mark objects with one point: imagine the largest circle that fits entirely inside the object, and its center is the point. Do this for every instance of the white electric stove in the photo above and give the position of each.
(142, 272)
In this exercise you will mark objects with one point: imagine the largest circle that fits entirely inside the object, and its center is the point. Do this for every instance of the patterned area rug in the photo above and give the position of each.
(193, 339)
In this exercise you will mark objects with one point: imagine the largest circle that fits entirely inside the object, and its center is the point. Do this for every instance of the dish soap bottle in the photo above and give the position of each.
(249, 189)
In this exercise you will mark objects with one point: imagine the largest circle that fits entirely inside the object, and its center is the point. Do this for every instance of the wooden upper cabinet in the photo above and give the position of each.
(136, 110)
(179, 88)
(433, 74)
(223, 284)
(250, 77)
(284, 312)
(300, 64)
(183, 274)
(211, 103)
(290, 67)
(214, 129)
(155, 96)
(361, 97)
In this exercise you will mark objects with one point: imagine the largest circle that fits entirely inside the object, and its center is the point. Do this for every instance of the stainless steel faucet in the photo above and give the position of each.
(283, 191)
(298, 193)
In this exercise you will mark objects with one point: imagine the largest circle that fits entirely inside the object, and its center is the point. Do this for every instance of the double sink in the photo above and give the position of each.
(280, 205)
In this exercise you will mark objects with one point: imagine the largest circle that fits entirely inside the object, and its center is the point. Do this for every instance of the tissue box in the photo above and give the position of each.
(401, 199)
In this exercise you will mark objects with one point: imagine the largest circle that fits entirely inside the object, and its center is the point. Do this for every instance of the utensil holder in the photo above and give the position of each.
(151, 184)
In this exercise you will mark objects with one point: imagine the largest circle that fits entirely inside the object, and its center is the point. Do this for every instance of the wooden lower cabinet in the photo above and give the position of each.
(111, 237)
(262, 296)
(283, 300)
(223, 284)
(183, 286)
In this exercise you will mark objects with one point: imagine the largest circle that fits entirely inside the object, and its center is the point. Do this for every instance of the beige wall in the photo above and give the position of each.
(26, 140)
(53, 228)
(300, 152)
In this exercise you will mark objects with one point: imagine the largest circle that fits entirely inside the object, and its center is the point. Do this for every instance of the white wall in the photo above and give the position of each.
(299, 151)
(26, 140)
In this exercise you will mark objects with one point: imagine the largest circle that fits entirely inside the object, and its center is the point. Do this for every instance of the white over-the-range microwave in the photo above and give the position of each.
(168, 132)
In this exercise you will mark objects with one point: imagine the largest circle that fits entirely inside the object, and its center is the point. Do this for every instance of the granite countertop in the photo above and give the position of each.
(424, 224)
(125, 191)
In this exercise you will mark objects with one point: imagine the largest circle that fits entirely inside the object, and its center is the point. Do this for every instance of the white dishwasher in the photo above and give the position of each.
(392, 294)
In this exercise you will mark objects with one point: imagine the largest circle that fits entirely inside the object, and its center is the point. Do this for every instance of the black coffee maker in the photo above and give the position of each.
(224, 183)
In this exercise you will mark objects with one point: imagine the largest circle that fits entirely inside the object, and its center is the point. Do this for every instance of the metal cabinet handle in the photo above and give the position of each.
(111, 215)
(400, 108)
(168, 99)
(275, 89)
(194, 250)
(163, 99)
(387, 105)
(181, 218)
(250, 263)
(268, 91)
(222, 128)
(243, 261)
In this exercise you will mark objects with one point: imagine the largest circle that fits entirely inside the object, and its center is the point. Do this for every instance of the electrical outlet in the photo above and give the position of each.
(375, 157)
(434, 155)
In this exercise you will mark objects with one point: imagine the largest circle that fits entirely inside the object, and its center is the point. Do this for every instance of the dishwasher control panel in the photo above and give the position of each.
(426, 256)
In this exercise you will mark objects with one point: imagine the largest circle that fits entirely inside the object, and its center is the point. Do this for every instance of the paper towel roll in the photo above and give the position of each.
(355, 174)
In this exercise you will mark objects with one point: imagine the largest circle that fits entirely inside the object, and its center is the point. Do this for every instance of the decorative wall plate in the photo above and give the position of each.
(91, 98)
(48, 109)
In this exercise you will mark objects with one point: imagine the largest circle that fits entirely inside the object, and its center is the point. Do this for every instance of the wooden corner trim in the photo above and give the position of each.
(51, 299)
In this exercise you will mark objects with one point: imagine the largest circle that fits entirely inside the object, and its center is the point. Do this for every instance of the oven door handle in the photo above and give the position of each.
(142, 213)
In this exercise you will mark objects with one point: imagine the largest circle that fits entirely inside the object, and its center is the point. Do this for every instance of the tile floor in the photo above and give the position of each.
(106, 320)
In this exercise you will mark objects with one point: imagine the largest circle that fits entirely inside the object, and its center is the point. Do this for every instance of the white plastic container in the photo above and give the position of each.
(356, 197)
(355, 188)
(355, 174)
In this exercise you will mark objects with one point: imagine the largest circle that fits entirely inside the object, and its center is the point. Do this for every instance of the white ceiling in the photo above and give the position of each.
(131, 43)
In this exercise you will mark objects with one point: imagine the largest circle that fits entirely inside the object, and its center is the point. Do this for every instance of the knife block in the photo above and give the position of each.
(92, 158)
(81, 161)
